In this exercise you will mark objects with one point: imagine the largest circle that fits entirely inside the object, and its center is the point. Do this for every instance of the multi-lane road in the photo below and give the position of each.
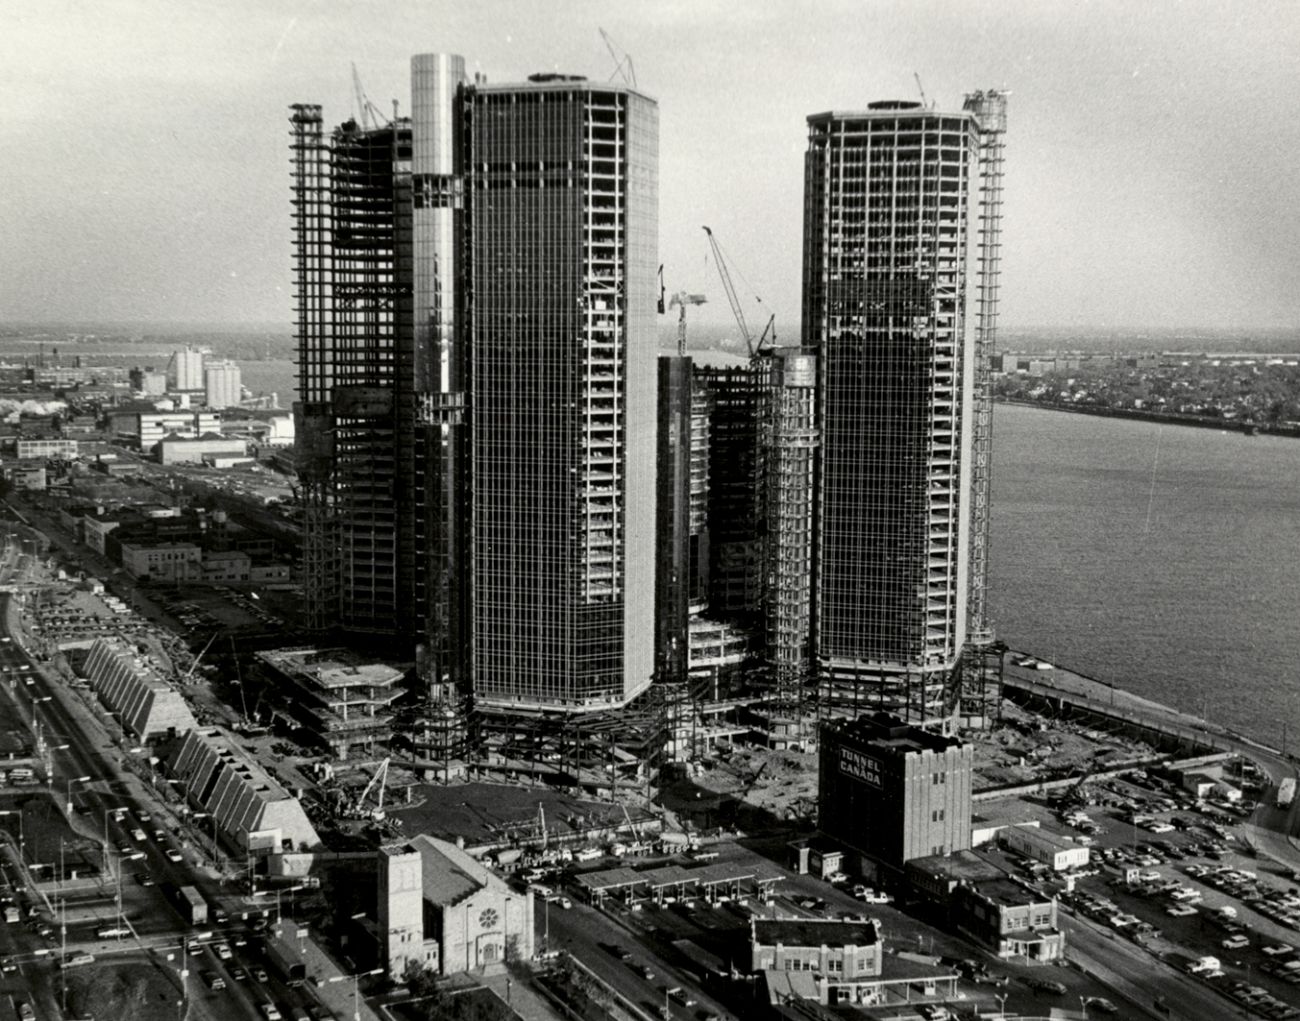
(143, 839)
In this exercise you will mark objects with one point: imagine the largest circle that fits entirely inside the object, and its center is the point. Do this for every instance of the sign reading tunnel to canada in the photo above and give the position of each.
(859, 766)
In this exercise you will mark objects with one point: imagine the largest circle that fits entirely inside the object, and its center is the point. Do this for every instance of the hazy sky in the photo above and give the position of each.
(1151, 152)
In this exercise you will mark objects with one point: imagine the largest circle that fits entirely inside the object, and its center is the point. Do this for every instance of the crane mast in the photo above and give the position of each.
(683, 299)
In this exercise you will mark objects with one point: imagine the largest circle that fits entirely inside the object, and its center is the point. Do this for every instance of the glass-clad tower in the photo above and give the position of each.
(892, 279)
(561, 232)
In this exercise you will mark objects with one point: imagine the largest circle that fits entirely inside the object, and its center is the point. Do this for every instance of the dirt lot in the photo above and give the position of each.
(134, 990)
(1021, 748)
(482, 812)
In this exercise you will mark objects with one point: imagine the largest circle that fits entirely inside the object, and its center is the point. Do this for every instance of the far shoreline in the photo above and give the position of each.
(1158, 418)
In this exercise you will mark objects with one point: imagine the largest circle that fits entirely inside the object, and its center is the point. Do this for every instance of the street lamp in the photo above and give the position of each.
(1002, 1005)
(49, 764)
(75, 779)
(356, 993)
(216, 849)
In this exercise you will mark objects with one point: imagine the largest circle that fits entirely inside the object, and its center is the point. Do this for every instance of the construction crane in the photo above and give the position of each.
(622, 64)
(248, 721)
(203, 652)
(380, 778)
(754, 348)
(925, 103)
(367, 113)
(683, 299)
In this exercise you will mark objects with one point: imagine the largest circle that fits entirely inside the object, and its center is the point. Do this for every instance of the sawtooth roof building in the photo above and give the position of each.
(252, 810)
(135, 690)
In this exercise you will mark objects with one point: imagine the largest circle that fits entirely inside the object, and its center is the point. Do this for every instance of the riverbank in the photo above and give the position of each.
(1160, 418)
(1069, 681)
(1271, 831)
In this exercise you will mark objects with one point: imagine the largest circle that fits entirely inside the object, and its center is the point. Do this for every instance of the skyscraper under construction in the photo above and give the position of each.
(475, 324)
(902, 207)
(562, 202)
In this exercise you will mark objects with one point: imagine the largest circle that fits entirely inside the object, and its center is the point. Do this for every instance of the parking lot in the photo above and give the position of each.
(684, 938)
(1174, 876)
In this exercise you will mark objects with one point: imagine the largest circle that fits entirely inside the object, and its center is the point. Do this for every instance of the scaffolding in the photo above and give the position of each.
(787, 449)
(614, 753)
(372, 270)
(981, 677)
(438, 733)
(990, 109)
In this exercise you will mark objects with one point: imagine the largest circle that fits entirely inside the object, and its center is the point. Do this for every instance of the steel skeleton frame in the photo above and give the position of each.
(981, 682)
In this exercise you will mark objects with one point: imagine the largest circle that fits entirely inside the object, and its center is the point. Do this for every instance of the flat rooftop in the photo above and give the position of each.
(331, 668)
(958, 866)
(1049, 838)
(889, 732)
(815, 932)
(1009, 893)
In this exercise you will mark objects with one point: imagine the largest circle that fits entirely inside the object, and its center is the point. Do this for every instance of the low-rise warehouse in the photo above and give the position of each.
(1055, 851)
(129, 686)
(254, 812)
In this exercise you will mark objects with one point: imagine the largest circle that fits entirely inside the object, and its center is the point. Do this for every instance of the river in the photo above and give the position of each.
(1165, 559)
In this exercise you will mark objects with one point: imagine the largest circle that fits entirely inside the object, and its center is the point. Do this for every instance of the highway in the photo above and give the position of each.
(1136, 975)
(74, 745)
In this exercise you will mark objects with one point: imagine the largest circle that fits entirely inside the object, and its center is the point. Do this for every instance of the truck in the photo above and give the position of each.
(291, 968)
(1286, 792)
(187, 902)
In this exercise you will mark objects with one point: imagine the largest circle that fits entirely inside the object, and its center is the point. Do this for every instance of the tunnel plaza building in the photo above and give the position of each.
(715, 883)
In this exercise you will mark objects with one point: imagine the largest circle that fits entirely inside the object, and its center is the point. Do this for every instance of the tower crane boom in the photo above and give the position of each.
(367, 113)
(622, 64)
(755, 348)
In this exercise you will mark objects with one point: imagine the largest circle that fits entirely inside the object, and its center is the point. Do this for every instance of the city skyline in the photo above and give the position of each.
(1155, 128)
